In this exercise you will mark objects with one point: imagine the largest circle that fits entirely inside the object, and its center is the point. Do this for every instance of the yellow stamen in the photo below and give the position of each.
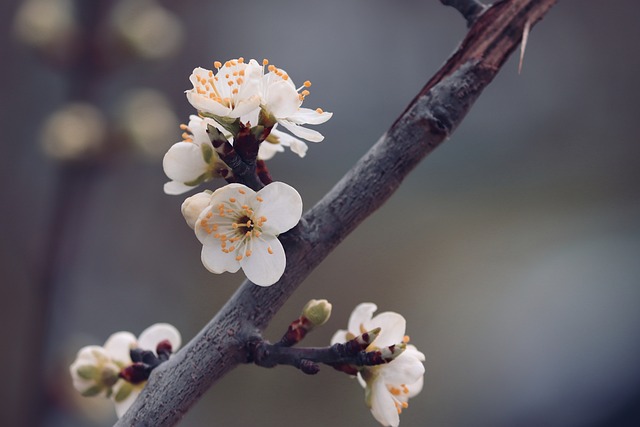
(217, 64)
(319, 110)
(307, 83)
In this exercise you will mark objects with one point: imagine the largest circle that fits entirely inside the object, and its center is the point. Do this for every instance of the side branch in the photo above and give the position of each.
(428, 120)
(470, 9)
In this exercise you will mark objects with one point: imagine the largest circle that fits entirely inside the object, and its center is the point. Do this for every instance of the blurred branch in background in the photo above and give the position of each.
(87, 42)
(429, 119)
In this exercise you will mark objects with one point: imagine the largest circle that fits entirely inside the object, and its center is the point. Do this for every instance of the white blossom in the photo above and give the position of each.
(95, 372)
(281, 99)
(193, 160)
(229, 92)
(388, 387)
(239, 229)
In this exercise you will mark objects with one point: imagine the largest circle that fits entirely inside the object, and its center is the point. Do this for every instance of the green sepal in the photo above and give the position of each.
(230, 124)
(199, 180)
(207, 153)
(110, 377)
(123, 392)
(266, 119)
(88, 372)
(92, 391)
(272, 139)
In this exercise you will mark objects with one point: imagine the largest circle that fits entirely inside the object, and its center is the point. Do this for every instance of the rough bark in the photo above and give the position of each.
(428, 120)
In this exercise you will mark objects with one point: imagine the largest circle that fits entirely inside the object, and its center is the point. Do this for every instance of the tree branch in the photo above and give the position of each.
(428, 120)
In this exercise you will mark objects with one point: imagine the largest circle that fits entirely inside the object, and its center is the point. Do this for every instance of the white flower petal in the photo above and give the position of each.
(296, 145)
(281, 205)
(281, 99)
(121, 407)
(383, 406)
(217, 261)
(307, 115)
(118, 346)
(405, 369)
(414, 352)
(267, 150)
(206, 104)
(174, 188)
(393, 327)
(360, 316)
(241, 193)
(184, 162)
(302, 132)
(415, 388)
(154, 334)
(245, 107)
(264, 267)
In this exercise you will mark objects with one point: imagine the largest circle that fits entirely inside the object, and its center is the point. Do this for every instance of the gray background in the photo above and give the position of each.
(512, 250)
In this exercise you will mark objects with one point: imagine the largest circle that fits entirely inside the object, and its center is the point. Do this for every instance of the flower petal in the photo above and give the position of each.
(150, 337)
(245, 106)
(267, 150)
(206, 104)
(415, 388)
(173, 188)
(118, 346)
(296, 145)
(281, 205)
(307, 115)
(383, 406)
(281, 99)
(264, 267)
(241, 193)
(302, 132)
(184, 162)
(360, 316)
(405, 369)
(215, 260)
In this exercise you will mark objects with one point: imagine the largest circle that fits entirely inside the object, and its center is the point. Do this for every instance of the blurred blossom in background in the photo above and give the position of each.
(512, 250)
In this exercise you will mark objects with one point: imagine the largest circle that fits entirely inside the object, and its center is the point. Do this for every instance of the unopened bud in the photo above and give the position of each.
(317, 311)
(193, 206)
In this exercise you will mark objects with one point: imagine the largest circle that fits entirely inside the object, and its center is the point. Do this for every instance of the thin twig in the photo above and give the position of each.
(470, 9)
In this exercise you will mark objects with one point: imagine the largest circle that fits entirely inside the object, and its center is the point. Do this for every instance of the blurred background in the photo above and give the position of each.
(513, 250)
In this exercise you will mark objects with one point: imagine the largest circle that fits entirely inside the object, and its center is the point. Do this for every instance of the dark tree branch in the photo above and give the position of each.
(429, 119)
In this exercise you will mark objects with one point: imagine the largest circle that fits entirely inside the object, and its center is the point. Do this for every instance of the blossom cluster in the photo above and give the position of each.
(246, 93)
(110, 370)
(241, 104)
(388, 387)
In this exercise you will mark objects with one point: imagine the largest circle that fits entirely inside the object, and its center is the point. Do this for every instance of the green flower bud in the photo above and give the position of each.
(317, 311)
